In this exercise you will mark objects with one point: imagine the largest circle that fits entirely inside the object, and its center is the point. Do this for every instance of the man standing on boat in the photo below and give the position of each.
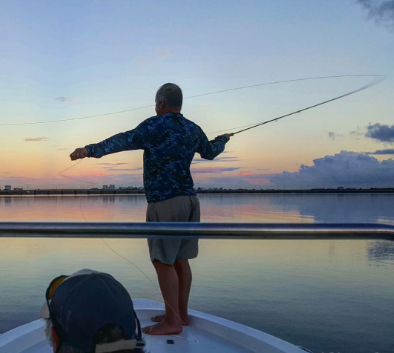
(169, 142)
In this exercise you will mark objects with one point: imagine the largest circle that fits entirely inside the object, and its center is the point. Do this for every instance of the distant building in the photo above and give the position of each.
(7, 187)
(108, 187)
(18, 189)
(126, 188)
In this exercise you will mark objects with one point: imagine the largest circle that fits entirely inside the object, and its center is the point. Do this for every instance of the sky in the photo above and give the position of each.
(74, 59)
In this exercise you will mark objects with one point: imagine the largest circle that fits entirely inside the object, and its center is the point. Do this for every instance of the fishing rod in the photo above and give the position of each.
(190, 97)
(369, 85)
(377, 80)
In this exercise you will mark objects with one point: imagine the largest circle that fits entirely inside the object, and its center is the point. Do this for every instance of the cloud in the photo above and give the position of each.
(63, 99)
(97, 179)
(380, 10)
(111, 167)
(213, 170)
(123, 169)
(358, 132)
(234, 181)
(256, 179)
(22, 181)
(347, 169)
(36, 139)
(88, 180)
(382, 133)
(217, 159)
(333, 135)
(382, 152)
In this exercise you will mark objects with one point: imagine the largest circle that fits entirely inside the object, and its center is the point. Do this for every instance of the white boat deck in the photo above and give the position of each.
(206, 334)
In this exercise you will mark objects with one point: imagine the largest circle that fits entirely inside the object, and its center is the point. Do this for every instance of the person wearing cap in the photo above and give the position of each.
(169, 141)
(90, 312)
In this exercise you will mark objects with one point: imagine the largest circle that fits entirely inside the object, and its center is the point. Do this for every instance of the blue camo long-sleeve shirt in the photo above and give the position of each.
(169, 142)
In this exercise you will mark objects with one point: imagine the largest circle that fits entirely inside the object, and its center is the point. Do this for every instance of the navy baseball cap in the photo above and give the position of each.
(83, 303)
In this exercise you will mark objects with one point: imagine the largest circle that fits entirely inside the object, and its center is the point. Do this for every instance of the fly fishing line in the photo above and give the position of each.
(190, 97)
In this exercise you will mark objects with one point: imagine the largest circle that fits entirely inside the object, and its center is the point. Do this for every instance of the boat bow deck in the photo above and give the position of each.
(206, 333)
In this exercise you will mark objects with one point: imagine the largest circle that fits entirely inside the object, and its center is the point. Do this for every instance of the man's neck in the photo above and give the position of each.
(165, 111)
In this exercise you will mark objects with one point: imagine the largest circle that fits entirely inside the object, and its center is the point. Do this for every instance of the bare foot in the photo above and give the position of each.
(185, 320)
(162, 328)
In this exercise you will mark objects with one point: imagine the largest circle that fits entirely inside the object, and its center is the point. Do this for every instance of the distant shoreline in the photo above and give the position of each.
(217, 191)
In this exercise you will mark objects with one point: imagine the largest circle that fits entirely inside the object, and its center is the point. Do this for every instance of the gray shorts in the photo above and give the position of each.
(177, 209)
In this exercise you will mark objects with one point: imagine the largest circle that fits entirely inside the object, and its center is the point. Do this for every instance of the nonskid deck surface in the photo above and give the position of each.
(206, 333)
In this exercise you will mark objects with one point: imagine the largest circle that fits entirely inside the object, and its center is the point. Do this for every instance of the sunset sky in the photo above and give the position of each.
(73, 59)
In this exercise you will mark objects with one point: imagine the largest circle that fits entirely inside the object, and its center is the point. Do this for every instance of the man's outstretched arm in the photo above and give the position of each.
(211, 149)
(125, 141)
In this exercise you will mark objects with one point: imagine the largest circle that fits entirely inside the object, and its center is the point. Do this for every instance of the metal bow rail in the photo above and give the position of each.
(196, 230)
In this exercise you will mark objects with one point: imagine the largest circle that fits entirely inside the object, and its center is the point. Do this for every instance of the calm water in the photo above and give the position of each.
(329, 296)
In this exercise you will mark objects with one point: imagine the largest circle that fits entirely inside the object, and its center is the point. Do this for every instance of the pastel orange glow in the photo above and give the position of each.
(259, 181)
(59, 86)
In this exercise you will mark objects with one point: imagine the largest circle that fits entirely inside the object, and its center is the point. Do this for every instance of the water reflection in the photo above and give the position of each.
(110, 198)
(338, 208)
(72, 208)
(332, 208)
(272, 285)
(249, 208)
(320, 294)
(381, 252)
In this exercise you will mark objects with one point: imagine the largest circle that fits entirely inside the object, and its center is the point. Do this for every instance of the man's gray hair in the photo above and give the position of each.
(108, 334)
(171, 94)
